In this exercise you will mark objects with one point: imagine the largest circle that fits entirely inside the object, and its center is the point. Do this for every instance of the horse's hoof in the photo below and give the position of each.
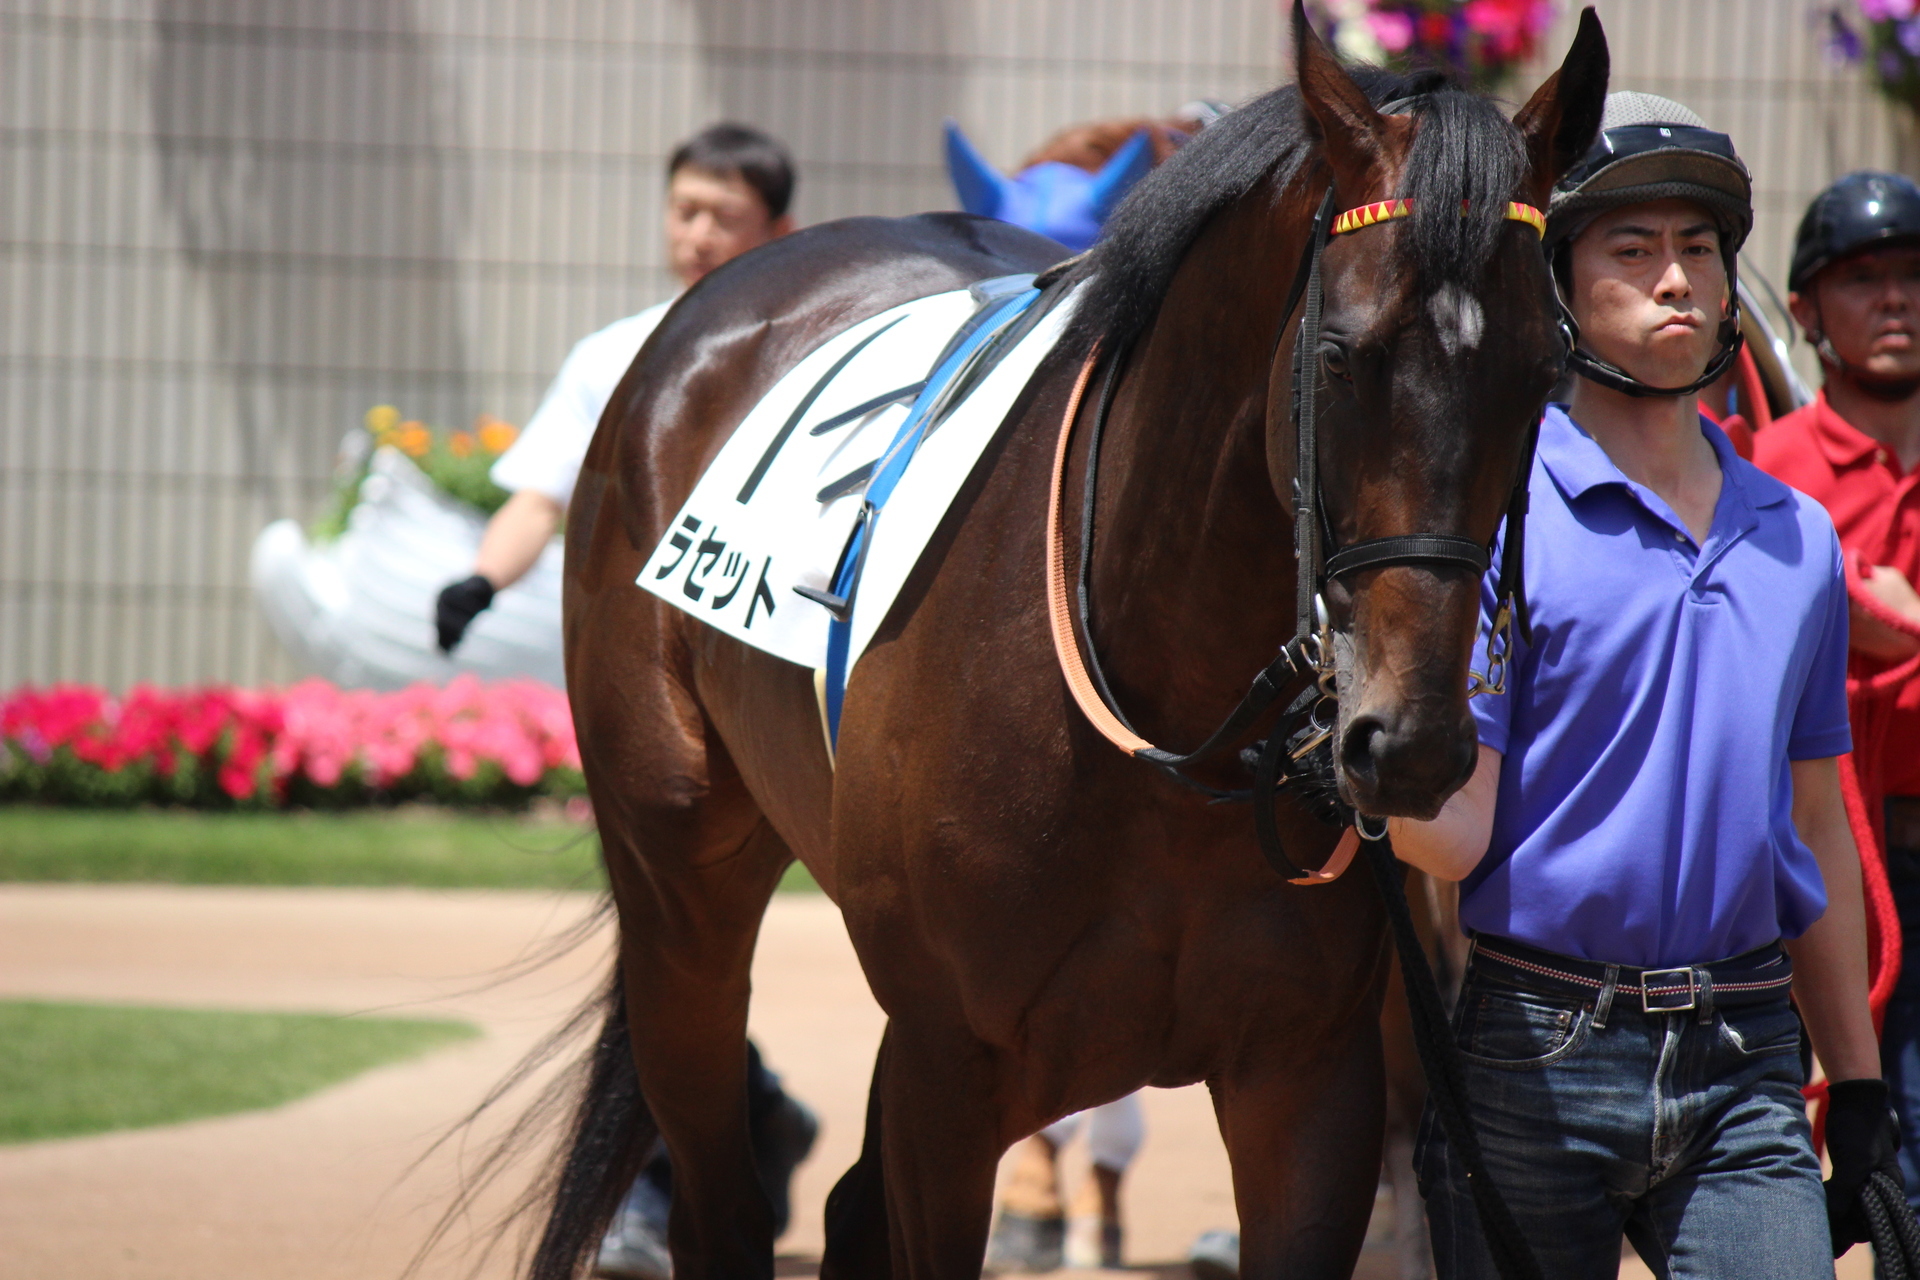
(1021, 1243)
(1215, 1256)
(1093, 1242)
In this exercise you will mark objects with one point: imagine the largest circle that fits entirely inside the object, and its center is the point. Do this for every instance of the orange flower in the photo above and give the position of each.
(496, 436)
(460, 443)
(381, 420)
(413, 439)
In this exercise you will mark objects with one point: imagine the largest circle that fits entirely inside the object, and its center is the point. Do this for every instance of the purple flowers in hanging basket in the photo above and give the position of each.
(1884, 33)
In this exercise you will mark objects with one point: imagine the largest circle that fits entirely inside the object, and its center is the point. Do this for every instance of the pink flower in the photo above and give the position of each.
(1888, 10)
(311, 731)
(1393, 29)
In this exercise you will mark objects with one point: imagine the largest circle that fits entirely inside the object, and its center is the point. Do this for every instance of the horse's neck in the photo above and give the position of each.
(1192, 571)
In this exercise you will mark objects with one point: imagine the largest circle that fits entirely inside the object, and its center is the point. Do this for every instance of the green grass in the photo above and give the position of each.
(70, 1069)
(425, 847)
(431, 848)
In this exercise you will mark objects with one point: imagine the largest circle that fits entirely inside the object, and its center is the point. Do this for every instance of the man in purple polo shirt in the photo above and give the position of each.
(1653, 847)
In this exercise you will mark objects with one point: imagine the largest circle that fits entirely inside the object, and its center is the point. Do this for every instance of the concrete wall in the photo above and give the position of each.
(227, 227)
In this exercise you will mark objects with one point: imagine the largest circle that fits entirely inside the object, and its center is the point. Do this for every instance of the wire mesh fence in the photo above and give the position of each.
(228, 227)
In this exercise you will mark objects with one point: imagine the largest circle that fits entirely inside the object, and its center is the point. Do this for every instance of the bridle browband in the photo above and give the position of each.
(1308, 656)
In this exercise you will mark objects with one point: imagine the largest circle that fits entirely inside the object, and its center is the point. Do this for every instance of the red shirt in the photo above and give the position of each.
(1876, 510)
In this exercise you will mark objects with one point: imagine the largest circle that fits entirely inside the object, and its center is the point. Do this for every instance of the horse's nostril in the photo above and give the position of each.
(1358, 748)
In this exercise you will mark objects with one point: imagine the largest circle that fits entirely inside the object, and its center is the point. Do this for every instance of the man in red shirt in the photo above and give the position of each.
(1855, 290)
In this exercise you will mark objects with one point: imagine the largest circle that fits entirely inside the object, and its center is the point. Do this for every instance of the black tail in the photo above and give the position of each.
(609, 1137)
(857, 1239)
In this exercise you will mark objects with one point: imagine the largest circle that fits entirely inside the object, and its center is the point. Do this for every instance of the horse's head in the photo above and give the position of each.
(1439, 342)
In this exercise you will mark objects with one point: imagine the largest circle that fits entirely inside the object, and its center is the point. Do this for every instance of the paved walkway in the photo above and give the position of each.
(342, 1184)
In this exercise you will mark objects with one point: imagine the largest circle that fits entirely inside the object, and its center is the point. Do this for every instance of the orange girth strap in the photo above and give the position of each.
(1386, 210)
(1066, 645)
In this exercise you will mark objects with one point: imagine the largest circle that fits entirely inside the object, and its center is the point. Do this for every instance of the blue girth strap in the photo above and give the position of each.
(892, 464)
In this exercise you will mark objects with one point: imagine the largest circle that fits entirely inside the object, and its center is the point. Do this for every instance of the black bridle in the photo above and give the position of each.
(1304, 666)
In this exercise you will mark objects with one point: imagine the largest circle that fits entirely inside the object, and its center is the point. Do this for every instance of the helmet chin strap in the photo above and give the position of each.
(1613, 377)
(1889, 390)
(1594, 369)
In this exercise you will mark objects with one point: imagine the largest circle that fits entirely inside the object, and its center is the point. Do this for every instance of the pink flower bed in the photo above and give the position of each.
(464, 743)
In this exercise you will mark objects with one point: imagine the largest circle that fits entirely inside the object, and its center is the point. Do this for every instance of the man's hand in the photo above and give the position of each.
(459, 604)
(1888, 586)
(1862, 1137)
(1453, 843)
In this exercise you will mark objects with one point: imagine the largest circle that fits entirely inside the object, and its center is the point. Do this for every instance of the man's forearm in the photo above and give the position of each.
(1830, 958)
(1830, 981)
(515, 537)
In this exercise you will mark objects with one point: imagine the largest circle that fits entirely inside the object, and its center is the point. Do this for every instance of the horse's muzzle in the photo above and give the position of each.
(1400, 766)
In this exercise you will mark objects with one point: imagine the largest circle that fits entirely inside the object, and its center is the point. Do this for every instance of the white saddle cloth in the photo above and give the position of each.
(766, 518)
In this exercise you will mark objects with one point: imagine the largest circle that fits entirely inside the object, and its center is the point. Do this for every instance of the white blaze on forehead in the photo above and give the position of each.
(1457, 317)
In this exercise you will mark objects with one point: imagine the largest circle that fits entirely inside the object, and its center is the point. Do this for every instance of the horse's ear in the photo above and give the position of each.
(981, 187)
(1337, 109)
(1560, 120)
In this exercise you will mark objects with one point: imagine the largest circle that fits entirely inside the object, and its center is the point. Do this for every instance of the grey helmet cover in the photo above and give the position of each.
(1652, 148)
(1663, 151)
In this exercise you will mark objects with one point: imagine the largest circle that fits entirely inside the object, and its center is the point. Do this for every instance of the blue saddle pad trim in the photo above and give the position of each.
(886, 477)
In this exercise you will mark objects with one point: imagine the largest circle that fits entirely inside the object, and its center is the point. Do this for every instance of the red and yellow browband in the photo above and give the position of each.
(1368, 214)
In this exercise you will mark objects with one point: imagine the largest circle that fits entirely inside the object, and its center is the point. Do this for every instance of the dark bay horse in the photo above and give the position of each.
(1048, 923)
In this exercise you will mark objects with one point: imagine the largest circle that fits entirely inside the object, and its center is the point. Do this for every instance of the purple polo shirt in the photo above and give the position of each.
(1644, 815)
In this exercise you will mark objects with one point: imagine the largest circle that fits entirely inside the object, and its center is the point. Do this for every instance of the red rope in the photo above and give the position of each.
(1870, 702)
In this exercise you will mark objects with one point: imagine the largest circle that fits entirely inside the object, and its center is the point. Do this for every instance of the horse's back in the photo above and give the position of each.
(647, 680)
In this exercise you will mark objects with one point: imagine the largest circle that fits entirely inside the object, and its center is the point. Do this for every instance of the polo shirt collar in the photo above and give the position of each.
(1578, 464)
(1843, 443)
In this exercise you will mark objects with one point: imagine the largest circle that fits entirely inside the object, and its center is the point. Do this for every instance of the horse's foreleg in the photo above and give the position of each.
(692, 884)
(942, 1145)
(1303, 1134)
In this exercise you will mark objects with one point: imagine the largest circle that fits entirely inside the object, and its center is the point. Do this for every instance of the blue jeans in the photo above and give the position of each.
(1688, 1138)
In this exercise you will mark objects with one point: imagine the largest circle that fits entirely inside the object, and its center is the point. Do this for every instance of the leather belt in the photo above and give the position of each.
(1754, 977)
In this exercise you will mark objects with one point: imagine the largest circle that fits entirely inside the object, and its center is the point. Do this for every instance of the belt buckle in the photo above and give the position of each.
(1651, 978)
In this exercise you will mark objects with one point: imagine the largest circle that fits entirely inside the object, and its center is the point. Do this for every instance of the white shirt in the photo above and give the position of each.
(548, 454)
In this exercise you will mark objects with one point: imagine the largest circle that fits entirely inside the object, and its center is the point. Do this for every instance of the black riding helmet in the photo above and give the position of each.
(1861, 211)
(1651, 148)
(1857, 211)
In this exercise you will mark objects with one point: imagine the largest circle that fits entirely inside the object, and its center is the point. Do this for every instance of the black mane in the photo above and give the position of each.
(1463, 150)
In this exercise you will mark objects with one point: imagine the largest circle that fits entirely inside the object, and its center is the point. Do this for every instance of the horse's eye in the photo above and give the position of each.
(1334, 358)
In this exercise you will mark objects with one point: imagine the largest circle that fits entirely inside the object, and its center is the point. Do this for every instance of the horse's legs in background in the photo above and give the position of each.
(1030, 1222)
(1115, 1131)
(1304, 1139)
(692, 881)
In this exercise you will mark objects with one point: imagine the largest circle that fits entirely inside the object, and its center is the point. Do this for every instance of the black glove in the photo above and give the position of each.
(1862, 1136)
(458, 606)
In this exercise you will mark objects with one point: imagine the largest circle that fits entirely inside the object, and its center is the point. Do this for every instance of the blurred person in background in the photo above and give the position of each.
(728, 191)
(1855, 289)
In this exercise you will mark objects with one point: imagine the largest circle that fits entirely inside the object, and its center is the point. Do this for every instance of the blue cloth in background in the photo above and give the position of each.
(1644, 813)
